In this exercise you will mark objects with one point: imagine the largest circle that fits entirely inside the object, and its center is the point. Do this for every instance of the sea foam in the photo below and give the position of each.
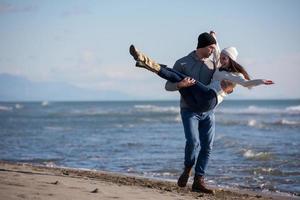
(6, 108)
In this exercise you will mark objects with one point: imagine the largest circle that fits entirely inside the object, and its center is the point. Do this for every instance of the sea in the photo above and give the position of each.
(256, 146)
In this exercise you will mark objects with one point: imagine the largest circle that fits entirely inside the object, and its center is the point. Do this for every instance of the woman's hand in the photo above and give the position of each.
(268, 82)
(213, 33)
(186, 82)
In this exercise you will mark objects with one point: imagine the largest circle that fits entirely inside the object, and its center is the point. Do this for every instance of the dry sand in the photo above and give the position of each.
(25, 181)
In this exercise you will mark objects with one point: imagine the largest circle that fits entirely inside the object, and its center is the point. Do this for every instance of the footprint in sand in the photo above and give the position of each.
(95, 191)
(54, 183)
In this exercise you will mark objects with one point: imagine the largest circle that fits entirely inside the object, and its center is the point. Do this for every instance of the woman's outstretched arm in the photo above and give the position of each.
(240, 79)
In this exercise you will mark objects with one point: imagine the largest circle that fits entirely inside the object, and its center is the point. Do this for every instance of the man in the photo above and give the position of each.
(199, 128)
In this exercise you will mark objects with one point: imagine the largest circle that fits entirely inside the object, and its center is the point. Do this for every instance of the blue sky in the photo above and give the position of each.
(85, 43)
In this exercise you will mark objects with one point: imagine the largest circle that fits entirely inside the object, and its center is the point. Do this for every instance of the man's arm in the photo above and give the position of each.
(169, 86)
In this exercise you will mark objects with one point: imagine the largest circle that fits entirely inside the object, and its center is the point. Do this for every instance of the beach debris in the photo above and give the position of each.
(95, 191)
(258, 196)
(65, 172)
(55, 183)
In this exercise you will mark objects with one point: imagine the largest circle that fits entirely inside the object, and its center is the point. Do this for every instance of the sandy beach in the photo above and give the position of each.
(26, 181)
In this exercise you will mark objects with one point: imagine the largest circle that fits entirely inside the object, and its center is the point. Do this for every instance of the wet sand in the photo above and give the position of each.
(26, 181)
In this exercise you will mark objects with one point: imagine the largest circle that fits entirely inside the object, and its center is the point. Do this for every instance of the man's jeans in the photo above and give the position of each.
(199, 129)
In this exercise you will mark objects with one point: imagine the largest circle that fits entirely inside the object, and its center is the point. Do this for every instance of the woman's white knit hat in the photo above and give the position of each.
(231, 52)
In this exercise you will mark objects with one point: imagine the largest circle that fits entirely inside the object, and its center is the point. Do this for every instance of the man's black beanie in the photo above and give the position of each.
(205, 39)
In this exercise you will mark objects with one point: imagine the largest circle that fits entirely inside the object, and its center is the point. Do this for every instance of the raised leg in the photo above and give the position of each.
(142, 58)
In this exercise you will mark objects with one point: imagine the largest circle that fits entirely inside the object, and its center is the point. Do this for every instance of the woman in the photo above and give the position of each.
(199, 96)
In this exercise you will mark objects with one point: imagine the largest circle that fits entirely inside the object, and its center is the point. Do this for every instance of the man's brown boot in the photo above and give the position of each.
(199, 185)
(184, 177)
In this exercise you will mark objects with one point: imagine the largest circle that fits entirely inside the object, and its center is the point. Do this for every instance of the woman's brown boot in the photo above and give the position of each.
(145, 61)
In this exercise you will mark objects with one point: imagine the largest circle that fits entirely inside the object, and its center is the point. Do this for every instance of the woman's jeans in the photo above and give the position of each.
(199, 129)
(198, 96)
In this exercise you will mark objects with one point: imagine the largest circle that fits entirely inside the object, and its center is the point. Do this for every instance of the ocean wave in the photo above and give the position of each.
(136, 109)
(252, 123)
(287, 122)
(90, 112)
(45, 103)
(6, 108)
(124, 125)
(293, 109)
(254, 110)
(271, 171)
(85, 112)
(177, 118)
(161, 174)
(260, 123)
(267, 170)
(57, 128)
(250, 154)
(18, 106)
(281, 122)
(50, 164)
(162, 119)
(159, 109)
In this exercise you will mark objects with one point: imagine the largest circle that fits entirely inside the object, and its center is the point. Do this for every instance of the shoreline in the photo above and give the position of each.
(28, 181)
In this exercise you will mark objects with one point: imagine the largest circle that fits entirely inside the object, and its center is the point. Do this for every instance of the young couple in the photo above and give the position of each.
(203, 84)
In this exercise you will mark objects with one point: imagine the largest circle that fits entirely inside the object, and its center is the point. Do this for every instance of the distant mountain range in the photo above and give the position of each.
(18, 88)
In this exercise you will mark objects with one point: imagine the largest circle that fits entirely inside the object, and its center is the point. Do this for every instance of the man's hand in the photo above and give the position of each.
(227, 86)
(186, 82)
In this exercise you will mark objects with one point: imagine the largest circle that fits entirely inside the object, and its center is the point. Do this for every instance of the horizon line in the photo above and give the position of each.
(138, 100)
